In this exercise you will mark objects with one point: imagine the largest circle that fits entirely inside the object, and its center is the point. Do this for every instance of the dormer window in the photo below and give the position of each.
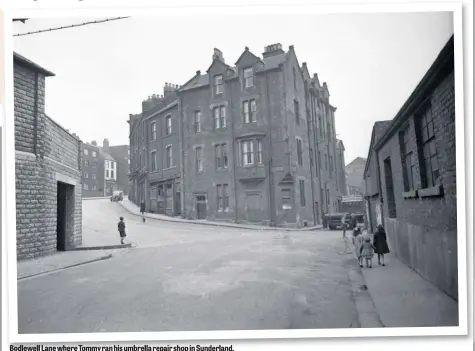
(248, 77)
(218, 84)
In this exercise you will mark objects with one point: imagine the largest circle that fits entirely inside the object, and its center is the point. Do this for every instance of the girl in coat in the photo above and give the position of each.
(380, 244)
(367, 251)
(358, 242)
(142, 210)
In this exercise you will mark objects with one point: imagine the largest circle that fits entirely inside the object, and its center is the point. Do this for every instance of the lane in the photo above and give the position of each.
(181, 278)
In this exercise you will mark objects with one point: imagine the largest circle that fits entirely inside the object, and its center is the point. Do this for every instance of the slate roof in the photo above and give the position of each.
(203, 80)
(379, 128)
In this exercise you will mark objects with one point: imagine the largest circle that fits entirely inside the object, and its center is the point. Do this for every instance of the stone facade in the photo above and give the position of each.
(245, 143)
(47, 158)
(419, 199)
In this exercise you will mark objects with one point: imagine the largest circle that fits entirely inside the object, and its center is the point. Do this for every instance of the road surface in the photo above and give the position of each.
(188, 277)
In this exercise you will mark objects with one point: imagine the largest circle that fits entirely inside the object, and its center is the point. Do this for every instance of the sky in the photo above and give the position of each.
(371, 63)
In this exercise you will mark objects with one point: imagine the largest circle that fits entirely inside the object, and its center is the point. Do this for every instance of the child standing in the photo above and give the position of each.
(142, 211)
(380, 244)
(367, 251)
(358, 243)
(121, 227)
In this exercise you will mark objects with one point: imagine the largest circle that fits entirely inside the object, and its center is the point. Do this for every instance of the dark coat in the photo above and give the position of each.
(380, 243)
(121, 227)
(142, 207)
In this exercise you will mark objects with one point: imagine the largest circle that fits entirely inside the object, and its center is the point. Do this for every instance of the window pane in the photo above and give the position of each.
(216, 117)
(426, 150)
(430, 129)
(432, 150)
(436, 176)
(245, 108)
(434, 164)
(428, 172)
(424, 134)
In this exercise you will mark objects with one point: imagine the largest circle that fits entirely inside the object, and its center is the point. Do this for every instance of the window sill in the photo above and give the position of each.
(410, 194)
(168, 135)
(434, 191)
(166, 169)
(249, 165)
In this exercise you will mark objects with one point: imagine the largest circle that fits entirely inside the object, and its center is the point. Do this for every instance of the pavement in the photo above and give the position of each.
(134, 209)
(178, 278)
(58, 261)
(404, 299)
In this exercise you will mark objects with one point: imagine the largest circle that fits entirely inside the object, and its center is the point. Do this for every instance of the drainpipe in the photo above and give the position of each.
(35, 126)
(381, 200)
(269, 163)
(182, 156)
(317, 162)
(310, 123)
(233, 150)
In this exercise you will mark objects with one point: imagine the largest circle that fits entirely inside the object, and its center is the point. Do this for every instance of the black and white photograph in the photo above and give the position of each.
(241, 173)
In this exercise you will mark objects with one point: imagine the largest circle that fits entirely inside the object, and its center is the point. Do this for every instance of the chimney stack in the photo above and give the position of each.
(217, 54)
(94, 143)
(169, 88)
(105, 145)
(273, 50)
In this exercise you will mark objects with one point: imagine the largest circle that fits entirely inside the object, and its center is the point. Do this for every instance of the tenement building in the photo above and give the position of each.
(254, 142)
(412, 171)
(92, 171)
(105, 169)
(47, 169)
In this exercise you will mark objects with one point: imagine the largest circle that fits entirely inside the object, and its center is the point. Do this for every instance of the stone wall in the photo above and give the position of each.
(45, 155)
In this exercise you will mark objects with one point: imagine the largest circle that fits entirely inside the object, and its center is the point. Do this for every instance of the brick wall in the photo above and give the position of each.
(424, 232)
(57, 159)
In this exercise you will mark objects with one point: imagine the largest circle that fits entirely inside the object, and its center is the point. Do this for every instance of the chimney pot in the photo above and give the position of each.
(198, 73)
(291, 47)
(304, 64)
(246, 48)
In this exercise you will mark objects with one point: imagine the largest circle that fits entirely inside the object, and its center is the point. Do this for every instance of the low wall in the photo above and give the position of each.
(431, 253)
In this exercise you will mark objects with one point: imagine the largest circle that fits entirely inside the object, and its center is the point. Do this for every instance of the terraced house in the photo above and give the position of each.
(254, 142)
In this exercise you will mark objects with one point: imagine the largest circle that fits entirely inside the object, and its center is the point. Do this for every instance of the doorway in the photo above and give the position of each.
(201, 207)
(317, 212)
(64, 215)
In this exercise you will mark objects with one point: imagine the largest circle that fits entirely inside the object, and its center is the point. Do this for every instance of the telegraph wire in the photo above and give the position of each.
(71, 26)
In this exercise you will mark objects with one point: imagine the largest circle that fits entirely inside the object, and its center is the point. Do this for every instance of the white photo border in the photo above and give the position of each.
(9, 223)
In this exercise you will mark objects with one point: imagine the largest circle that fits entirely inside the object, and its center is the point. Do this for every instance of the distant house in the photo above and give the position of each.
(414, 164)
(354, 176)
(371, 179)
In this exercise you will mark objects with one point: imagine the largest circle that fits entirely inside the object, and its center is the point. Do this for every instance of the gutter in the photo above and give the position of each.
(269, 164)
(310, 123)
(233, 148)
(35, 117)
(182, 156)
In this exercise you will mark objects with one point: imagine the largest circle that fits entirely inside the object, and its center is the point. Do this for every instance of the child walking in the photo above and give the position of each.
(367, 251)
(121, 227)
(380, 244)
(358, 243)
